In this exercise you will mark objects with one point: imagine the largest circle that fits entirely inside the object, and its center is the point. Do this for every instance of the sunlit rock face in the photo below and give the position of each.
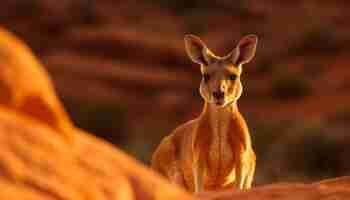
(25, 85)
(36, 163)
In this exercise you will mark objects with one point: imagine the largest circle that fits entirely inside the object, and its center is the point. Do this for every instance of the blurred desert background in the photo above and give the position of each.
(121, 71)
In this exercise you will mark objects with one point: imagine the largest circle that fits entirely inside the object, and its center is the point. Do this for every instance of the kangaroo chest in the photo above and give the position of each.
(217, 145)
(220, 159)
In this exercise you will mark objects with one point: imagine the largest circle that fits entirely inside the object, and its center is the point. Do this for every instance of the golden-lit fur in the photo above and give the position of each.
(25, 85)
(214, 150)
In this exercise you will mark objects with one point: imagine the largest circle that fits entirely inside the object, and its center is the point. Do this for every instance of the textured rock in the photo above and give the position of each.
(325, 190)
(25, 85)
(36, 163)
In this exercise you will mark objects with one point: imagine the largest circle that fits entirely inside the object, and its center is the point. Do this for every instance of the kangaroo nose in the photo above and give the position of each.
(218, 94)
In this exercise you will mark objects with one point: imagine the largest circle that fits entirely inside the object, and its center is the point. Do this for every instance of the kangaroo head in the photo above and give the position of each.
(221, 82)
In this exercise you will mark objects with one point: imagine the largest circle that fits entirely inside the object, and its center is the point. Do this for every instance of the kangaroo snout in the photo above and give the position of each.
(218, 95)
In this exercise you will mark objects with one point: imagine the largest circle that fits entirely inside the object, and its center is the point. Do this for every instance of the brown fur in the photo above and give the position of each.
(214, 150)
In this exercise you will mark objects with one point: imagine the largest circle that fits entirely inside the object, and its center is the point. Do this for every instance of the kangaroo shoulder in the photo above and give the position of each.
(185, 128)
(172, 141)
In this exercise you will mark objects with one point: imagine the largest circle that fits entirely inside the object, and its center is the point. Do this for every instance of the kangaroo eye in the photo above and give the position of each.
(232, 77)
(206, 77)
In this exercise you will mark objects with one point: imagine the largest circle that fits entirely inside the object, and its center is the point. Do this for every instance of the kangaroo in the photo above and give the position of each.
(214, 150)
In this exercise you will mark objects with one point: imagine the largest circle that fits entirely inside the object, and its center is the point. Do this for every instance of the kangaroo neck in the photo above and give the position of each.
(219, 118)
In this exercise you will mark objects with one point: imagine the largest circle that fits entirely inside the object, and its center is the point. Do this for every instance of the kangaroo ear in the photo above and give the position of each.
(197, 50)
(245, 50)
